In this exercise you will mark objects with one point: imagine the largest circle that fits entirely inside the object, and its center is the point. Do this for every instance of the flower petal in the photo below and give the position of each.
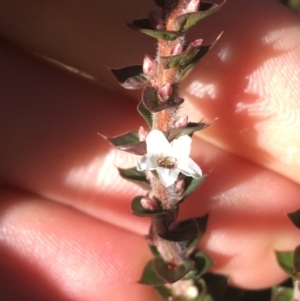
(146, 162)
(181, 147)
(190, 168)
(167, 176)
(157, 144)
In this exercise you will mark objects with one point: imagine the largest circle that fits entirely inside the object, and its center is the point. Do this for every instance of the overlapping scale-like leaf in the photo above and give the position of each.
(216, 285)
(186, 21)
(285, 260)
(186, 230)
(144, 26)
(189, 130)
(145, 113)
(152, 102)
(128, 142)
(295, 218)
(180, 60)
(190, 185)
(203, 262)
(282, 294)
(296, 261)
(164, 291)
(150, 277)
(135, 176)
(186, 70)
(171, 273)
(131, 77)
(138, 209)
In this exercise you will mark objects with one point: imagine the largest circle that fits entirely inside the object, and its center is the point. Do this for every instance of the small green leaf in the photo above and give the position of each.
(154, 250)
(192, 244)
(186, 70)
(135, 176)
(283, 294)
(182, 59)
(216, 285)
(296, 260)
(144, 26)
(203, 262)
(187, 229)
(151, 101)
(202, 289)
(129, 142)
(190, 275)
(170, 273)
(145, 113)
(163, 291)
(191, 184)
(186, 21)
(138, 210)
(285, 260)
(189, 130)
(276, 289)
(150, 277)
(295, 218)
(131, 77)
(208, 298)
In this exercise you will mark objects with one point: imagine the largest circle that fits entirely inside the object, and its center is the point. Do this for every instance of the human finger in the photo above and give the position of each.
(53, 252)
(50, 147)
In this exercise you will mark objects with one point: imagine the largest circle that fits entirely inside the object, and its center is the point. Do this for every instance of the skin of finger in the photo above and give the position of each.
(49, 135)
(87, 35)
(248, 84)
(53, 252)
(72, 165)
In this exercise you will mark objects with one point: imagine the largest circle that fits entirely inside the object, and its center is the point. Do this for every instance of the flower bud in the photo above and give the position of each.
(165, 92)
(176, 49)
(181, 121)
(197, 43)
(149, 239)
(149, 204)
(156, 21)
(149, 66)
(193, 6)
(142, 134)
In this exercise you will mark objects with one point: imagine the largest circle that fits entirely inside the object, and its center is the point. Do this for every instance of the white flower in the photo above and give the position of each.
(168, 159)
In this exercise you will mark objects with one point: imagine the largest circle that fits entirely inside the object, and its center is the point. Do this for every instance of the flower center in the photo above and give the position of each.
(167, 162)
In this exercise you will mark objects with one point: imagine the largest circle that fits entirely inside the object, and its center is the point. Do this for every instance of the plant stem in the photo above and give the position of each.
(171, 252)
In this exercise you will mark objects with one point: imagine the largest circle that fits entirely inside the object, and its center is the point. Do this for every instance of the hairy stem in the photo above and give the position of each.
(171, 252)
